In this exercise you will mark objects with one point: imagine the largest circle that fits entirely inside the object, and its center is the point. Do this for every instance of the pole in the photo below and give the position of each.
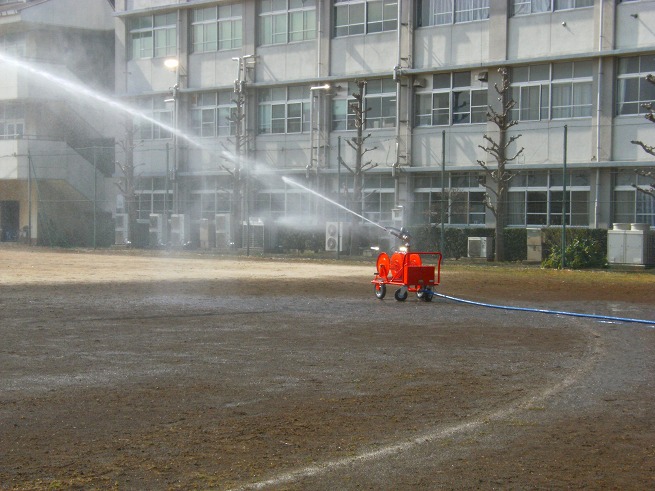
(338, 195)
(443, 190)
(566, 130)
(166, 185)
(29, 198)
(95, 196)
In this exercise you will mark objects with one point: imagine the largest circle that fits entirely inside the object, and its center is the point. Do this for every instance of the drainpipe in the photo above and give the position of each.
(599, 100)
(396, 76)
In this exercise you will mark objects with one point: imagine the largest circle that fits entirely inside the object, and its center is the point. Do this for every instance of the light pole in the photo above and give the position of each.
(315, 133)
(240, 143)
(173, 64)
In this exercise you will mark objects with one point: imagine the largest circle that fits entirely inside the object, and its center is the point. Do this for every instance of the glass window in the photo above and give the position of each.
(213, 114)
(12, 121)
(440, 12)
(284, 110)
(538, 95)
(216, 28)
(153, 36)
(633, 90)
(160, 125)
(379, 101)
(460, 104)
(364, 16)
(284, 21)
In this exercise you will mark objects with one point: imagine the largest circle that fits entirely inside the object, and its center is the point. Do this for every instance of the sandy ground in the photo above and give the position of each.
(133, 371)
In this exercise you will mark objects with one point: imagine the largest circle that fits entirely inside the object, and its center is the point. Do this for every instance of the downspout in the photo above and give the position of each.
(599, 100)
(396, 75)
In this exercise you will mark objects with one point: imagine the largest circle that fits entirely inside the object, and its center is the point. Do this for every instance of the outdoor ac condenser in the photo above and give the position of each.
(480, 247)
(223, 236)
(156, 230)
(121, 229)
(179, 230)
(334, 236)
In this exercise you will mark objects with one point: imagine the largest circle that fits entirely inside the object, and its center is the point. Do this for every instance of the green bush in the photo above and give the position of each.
(584, 251)
(516, 244)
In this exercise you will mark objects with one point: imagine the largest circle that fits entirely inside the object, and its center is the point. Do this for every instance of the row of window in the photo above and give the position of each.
(283, 21)
(12, 121)
(540, 92)
(535, 198)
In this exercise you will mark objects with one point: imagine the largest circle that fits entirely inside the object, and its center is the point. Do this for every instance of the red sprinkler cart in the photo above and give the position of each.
(406, 270)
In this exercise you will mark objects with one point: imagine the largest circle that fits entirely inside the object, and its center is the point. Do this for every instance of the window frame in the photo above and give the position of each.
(275, 21)
(433, 13)
(475, 114)
(639, 77)
(381, 115)
(217, 24)
(277, 114)
(155, 48)
(386, 19)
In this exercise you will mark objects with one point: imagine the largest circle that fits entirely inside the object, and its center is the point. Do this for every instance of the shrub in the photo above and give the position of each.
(582, 252)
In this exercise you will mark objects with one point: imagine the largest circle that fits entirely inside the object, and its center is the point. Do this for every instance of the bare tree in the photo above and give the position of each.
(498, 177)
(358, 144)
(126, 182)
(650, 174)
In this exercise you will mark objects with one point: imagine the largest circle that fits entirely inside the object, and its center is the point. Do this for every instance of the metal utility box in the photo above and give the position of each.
(631, 244)
(480, 247)
(535, 243)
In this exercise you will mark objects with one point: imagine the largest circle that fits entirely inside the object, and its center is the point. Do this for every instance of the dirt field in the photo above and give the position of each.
(135, 371)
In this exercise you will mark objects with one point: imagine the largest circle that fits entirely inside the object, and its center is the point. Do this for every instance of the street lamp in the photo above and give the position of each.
(173, 64)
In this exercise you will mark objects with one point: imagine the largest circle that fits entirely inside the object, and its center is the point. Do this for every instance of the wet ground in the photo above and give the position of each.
(131, 371)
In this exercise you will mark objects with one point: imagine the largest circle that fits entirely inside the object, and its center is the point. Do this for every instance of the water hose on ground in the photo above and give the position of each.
(544, 311)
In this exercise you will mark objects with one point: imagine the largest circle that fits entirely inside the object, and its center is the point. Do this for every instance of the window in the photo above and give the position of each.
(525, 7)
(153, 36)
(12, 121)
(211, 195)
(572, 4)
(462, 202)
(631, 205)
(280, 199)
(440, 12)
(217, 28)
(13, 44)
(212, 114)
(364, 16)
(633, 90)
(451, 101)
(160, 112)
(283, 21)
(284, 110)
(378, 198)
(530, 91)
(571, 90)
(379, 104)
(536, 198)
(153, 197)
(558, 91)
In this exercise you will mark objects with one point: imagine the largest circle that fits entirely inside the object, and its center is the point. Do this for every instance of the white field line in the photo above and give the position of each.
(440, 433)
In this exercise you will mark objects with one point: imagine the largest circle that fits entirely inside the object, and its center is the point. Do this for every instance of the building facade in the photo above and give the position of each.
(56, 149)
(266, 89)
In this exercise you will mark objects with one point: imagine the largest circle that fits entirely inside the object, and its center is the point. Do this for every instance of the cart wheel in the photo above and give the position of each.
(380, 290)
(401, 294)
(425, 294)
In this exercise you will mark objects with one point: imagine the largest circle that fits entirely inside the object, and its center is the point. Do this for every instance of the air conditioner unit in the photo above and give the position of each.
(121, 229)
(179, 230)
(205, 240)
(156, 230)
(223, 235)
(334, 236)
(480, 247)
